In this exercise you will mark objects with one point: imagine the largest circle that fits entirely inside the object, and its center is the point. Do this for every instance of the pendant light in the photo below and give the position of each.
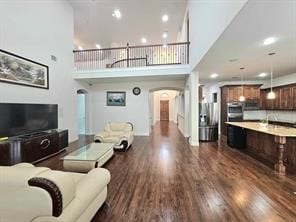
(242, 98)
(271, 94)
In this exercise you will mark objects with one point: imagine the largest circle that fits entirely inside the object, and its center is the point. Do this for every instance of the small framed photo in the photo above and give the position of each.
(19, 70)
(115, 98)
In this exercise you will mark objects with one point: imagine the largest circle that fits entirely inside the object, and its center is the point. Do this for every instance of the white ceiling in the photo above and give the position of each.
(94, 23)
(243, 40)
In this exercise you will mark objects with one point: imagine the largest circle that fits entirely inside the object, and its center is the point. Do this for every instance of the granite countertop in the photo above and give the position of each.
(270, 129)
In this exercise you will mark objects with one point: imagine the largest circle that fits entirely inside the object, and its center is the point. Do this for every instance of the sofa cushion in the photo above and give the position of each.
(19, 176)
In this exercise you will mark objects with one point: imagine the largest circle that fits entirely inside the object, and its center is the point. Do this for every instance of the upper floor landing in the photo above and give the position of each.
(130, 61)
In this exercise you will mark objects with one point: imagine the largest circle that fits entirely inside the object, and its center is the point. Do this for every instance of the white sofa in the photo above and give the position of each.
(38, 194)
(119, 133)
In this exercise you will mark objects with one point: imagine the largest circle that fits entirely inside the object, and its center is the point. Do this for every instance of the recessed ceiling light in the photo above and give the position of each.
(116, 14)
(164, 45)
(98, 46)
(269, 41)
(80, 47)
(143, 40)
(165, 18)
(164, 35)
(262, 75)
(214, 75)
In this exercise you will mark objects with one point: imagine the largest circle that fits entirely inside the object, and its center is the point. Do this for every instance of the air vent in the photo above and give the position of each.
(235, 78)
(233, 60)
(53, 58)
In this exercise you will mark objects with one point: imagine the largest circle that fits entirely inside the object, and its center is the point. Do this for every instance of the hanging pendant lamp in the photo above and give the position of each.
(271, 94)
(242, 98)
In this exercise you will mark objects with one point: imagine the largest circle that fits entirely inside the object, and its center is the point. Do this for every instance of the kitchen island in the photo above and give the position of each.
(272, 143)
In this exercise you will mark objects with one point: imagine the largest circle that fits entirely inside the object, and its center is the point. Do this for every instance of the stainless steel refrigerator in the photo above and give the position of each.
(208, 121)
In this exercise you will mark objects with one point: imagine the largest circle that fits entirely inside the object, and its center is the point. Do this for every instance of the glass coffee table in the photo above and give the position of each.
(88, 157)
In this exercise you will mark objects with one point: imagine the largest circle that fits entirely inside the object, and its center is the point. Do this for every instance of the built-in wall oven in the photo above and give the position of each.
(235, 112)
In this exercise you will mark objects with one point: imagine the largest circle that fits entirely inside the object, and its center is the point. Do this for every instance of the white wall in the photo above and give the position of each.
(136, 110)
(37, 30)
(172, 106)
(282, 80)
(208, 20)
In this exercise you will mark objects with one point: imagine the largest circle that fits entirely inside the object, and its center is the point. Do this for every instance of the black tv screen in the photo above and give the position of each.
(19, 119)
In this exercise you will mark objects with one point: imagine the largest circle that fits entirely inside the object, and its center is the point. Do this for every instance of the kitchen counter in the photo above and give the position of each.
(275, 130)
(273, 143)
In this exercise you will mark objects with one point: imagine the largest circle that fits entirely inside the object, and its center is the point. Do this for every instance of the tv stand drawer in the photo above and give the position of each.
(38, 148)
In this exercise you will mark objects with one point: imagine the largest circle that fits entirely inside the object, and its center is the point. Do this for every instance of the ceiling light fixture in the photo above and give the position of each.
(98, 46)
(164, 45)
(80, 47)
(165, 18)
(214, 75)
(269, 41)
(143, 40)
(271, 94)
(165, 35)
(262, 75)
(242, 98)
(116, 14)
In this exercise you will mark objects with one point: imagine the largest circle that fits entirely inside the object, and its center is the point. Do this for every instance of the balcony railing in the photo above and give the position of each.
(132, 56)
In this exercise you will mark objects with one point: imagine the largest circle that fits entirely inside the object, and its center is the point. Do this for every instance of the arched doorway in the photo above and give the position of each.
(164, 104)
(82, 112)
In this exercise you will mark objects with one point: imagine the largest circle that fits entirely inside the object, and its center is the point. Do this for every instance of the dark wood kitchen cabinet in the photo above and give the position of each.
(251, 92)
(285, 98)
(294, 97)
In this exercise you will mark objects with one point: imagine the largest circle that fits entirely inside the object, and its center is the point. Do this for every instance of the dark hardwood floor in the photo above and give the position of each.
(162, 178)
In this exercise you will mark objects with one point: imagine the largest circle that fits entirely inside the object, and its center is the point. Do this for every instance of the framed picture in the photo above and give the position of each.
(18, 70)
(115, 98)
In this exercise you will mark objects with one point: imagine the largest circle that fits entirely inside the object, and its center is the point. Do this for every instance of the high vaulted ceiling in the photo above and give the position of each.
(94, 23)
(243, 40)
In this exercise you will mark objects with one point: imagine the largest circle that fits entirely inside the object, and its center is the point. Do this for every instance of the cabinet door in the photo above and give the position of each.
(269, 103)
(263, 100)
(277, 100)
(37, 148)
(286, 98)
(255, 93)
(230, 96)
(294, 97)
(248, 93)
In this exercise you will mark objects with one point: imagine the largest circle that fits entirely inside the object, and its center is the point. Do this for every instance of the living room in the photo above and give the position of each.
(134, 150)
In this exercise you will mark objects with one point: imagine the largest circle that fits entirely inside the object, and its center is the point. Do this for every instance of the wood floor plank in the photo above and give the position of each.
(163, 178)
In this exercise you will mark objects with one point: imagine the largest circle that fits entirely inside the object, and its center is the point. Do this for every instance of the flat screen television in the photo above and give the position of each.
(19, 119)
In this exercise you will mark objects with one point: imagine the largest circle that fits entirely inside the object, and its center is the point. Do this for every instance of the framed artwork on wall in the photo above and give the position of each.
(115, 98)
(22, 71)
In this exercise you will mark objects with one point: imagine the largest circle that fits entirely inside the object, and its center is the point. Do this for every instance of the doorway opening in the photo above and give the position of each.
(164, 107)
(82, 112)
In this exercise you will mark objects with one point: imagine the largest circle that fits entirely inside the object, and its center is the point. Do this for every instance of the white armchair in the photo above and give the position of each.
(119, 133)
(38, 194)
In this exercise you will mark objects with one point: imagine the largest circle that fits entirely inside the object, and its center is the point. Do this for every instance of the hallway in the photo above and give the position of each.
(162, 178)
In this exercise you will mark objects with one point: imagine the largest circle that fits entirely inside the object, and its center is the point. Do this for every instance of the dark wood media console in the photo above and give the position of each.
(32, 148)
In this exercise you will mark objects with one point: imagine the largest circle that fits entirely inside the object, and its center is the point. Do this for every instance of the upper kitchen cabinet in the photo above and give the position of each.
(294, 96)
(285, 98)
(251, 92)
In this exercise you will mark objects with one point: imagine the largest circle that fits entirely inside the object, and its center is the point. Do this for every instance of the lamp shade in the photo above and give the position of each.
(242, 98)
(271, 95)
